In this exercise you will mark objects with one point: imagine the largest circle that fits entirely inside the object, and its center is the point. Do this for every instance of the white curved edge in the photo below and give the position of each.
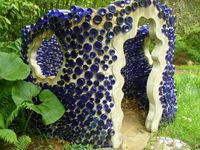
(159, 63)
(32, 54)
(117, 113)
(157, 58)
(147, 53)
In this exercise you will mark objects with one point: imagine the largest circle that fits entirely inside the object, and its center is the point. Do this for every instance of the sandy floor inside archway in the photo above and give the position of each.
(135, 136)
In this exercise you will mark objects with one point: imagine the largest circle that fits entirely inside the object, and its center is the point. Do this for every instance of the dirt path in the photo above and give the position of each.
(135, 136)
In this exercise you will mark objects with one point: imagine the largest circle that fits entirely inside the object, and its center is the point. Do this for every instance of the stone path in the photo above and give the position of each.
(166, 143)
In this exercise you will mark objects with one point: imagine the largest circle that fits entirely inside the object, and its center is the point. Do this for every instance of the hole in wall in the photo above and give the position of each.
(135, 72)
(137, 50)
(150, 42)
(139, 62)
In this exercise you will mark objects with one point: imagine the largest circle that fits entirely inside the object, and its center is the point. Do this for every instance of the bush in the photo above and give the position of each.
(14, 15)
(188, 48)
(16, 96)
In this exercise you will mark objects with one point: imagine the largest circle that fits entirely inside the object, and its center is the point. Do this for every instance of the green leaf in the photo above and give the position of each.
(11, 46)
(51, 108)
(2, 122)
(23, 142)
(15, 45)
(7, 105)
(7, 21)
(6, 88)
(8, 135)
(13, 115)
(23, 92)
(12, 67)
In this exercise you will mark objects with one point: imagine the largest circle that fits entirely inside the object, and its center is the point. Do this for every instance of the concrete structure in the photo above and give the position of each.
(79, 55)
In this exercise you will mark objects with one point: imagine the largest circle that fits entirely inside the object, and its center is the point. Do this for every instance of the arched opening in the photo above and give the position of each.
(139, 63)
(91, 80)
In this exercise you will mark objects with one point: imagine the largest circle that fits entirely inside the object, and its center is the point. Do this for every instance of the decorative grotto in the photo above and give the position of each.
(91, 58)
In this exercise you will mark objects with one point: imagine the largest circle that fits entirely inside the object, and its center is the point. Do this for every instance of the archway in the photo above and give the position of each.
(88, 79)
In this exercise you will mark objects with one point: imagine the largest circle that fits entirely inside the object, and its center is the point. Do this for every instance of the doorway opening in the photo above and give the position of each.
(135, 104)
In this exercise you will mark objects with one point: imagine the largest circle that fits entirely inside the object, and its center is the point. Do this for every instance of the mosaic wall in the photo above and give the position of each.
(137, 69)
(71, 53)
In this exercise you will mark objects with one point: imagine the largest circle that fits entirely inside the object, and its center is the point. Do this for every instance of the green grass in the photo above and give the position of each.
(188, 68)
(187, 124)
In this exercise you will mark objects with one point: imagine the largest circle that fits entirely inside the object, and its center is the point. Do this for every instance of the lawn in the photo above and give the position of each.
(188, 68)
(186, 126)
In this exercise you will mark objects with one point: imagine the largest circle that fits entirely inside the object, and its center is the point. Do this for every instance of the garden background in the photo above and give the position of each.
(15, 14)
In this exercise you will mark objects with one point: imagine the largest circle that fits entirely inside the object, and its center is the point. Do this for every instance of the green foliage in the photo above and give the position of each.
(193, 68)
(8, 136)
(187, 12)
(13, 115)
(12, 67)
(11, 46)
(14, 15)
(6, 103)
(186, 126)
(22, 143)
(24, 92)
(50, 108)
(189, 46)
(4, 23)
(78, 147)
(2, 122)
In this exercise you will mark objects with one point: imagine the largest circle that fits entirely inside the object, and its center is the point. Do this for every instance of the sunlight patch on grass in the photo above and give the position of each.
(186, 127)
(192, 68)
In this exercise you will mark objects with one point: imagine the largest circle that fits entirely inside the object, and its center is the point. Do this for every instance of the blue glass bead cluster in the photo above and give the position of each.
(80, 48)
(137, 69)
(167, 89)
(50, 57)
(82, 87)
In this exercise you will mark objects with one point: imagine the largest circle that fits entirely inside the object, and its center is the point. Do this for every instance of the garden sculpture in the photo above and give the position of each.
(90, 58)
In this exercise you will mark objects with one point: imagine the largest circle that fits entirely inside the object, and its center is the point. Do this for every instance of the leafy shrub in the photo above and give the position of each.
(14, 15)
(16, 96)
(11, 46)
(188, 47)
(10, 136)
(187, 13)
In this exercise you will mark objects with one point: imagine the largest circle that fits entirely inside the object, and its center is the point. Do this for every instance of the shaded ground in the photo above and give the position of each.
(135, 136)
(39, 143)
(52, 144)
